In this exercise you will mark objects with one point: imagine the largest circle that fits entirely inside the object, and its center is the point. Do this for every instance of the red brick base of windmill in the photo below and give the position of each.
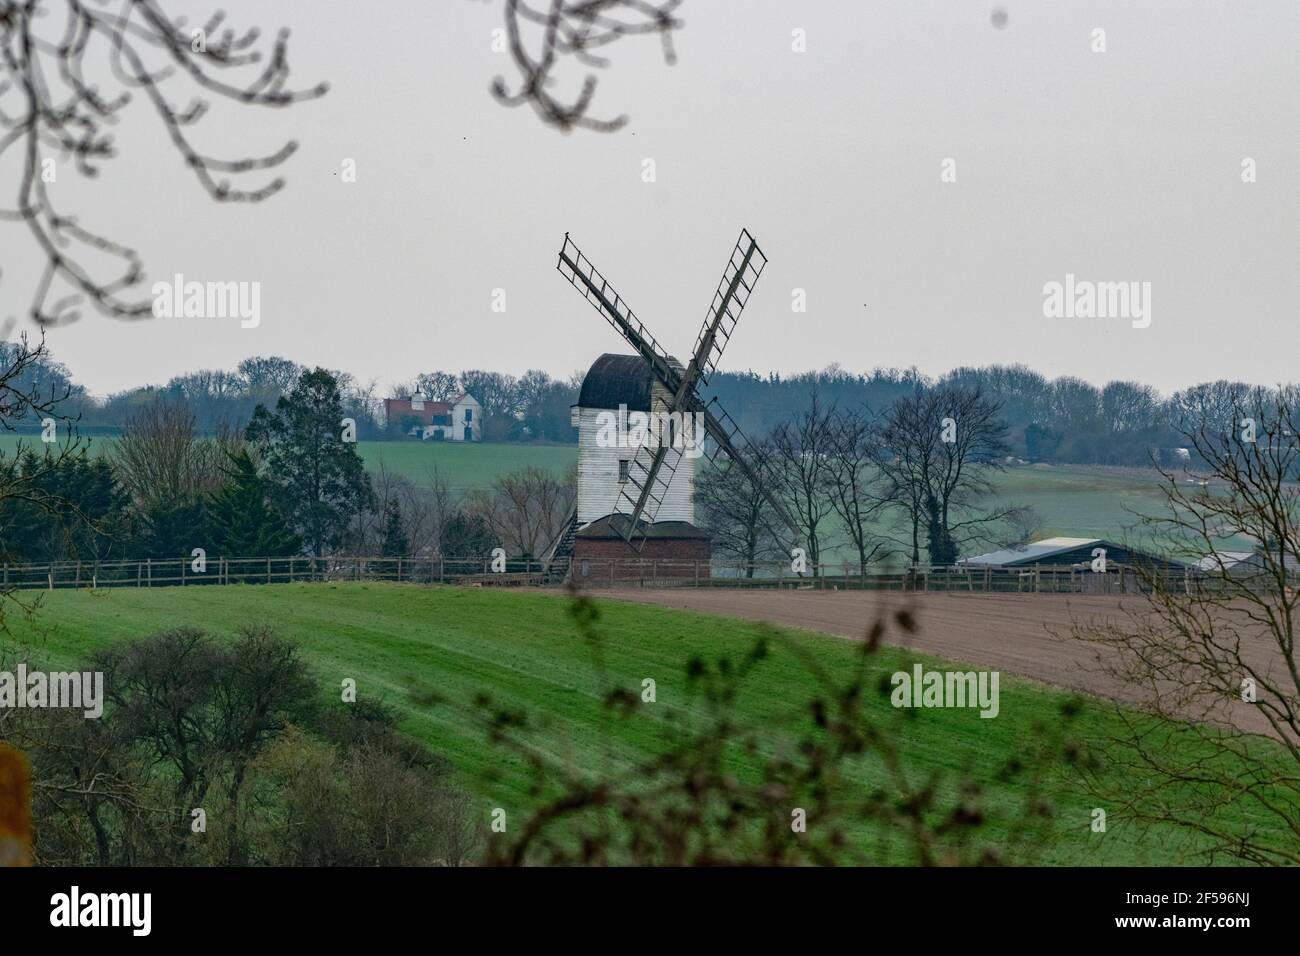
(664, 550)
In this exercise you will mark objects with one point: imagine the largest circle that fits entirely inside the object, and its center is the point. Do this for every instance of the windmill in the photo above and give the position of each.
(650, 471)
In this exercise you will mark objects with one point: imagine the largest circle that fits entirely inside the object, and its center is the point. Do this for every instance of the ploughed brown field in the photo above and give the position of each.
(1026, 635)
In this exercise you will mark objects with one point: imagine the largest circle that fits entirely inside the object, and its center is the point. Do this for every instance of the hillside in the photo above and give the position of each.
(430, 651)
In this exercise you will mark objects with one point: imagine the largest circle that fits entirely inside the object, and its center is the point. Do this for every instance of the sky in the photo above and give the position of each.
(1117, 166)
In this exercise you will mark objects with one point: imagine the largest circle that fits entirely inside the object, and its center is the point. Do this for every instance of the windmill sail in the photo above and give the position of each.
(743, 268)
(738, 280)
(578, 269)
(651, 469)
(730, 441)
(649, 477)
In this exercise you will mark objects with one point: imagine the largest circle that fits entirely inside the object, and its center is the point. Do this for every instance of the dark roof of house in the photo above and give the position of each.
(609, 527)
(615, 380)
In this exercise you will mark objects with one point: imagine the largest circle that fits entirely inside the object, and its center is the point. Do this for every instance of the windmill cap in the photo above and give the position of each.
(615, 380)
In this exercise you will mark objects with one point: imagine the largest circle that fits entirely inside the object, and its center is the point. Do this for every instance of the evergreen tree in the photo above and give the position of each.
(242, 523)
(315, 478)
(467, 536)
(61, 506)
(395, 543)
(941, 546)
(171, 529)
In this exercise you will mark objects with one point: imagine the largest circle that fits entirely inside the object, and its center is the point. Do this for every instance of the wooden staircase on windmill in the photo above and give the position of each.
(557, 563)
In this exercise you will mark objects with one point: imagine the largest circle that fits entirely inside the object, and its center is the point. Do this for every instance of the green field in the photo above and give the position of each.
(1073, 500)
(464, 466)
(1081, 501)
(405, 644)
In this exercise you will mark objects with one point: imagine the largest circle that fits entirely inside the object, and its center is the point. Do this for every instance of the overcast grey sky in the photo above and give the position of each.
(1115, 166)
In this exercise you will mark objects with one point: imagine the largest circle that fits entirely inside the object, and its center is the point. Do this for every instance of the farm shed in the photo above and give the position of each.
(1067, 553)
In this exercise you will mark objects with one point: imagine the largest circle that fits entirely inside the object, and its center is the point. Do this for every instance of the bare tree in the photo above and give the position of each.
(1211, 405)
(733, 507)
(268, 375)
(1129, 406)
(160, 457)
(68, 68)
(1223, 654)
(442, 502)
(801, 468)
(908, 432)
(24, 390)
(941, 445)
(560, 30)
(416, 505)
(436, 386)
(524, 508)
(859, 491)
(969, 451)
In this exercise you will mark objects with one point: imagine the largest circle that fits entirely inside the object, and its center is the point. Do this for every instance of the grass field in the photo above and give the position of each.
(400, 643)
(463, 465)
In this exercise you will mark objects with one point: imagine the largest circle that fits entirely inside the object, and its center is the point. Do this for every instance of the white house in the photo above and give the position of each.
(461, 419)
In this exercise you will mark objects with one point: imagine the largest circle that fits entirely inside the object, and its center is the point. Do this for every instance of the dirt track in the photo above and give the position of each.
(1026, 635)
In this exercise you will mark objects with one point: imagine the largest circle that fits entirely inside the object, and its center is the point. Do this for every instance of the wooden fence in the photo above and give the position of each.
(606, 573)
(172, 572)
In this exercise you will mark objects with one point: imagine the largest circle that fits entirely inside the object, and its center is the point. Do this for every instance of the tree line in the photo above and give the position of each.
(907, 480)
(1066, 420)
(530, 407)
(290, 482)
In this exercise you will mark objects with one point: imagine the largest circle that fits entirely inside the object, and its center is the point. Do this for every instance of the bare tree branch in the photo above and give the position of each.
(575, 29)
(46, 47)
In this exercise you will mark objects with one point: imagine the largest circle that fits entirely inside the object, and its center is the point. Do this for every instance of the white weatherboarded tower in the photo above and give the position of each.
(616, 389)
